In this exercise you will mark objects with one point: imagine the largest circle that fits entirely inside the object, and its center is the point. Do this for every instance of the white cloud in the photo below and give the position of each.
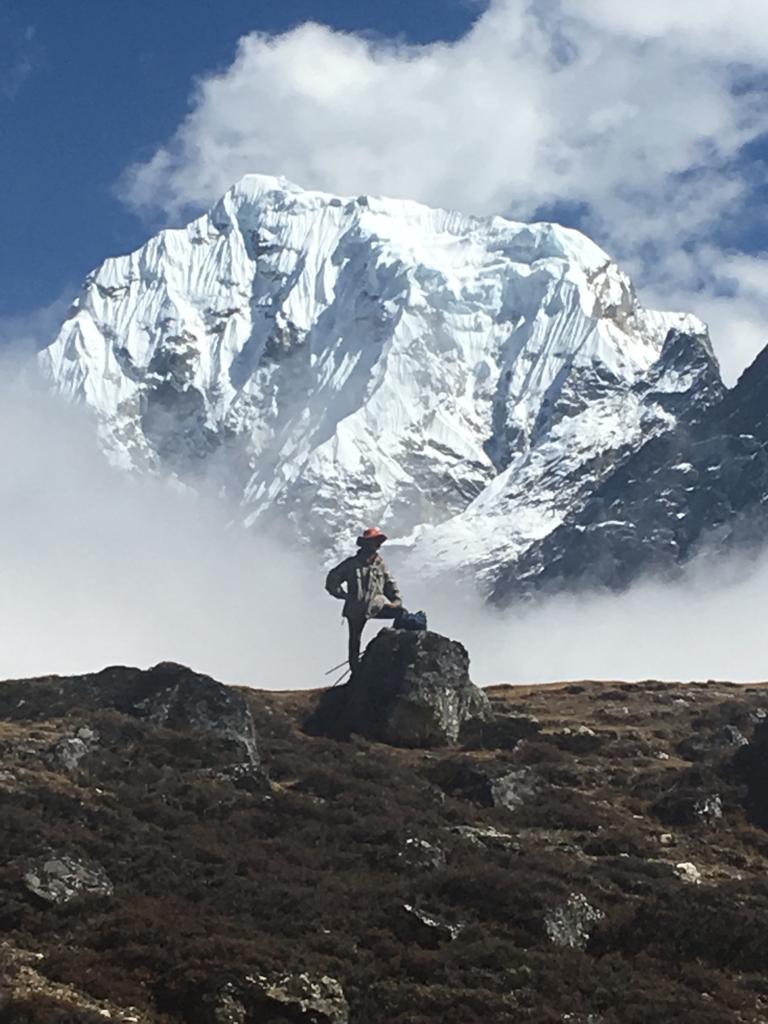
(703, 627)
(100, 568)
(628, 109)
(726, 29)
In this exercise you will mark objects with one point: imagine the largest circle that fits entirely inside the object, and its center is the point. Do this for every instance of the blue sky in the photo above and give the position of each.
(643, 124)
(89, 86)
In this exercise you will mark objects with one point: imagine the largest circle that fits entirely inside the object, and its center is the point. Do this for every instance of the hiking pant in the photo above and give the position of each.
(356, 627)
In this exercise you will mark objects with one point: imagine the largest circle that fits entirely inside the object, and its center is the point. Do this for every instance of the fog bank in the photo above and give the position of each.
(99, 568)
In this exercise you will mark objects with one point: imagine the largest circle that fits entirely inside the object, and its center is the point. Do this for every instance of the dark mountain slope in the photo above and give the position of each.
(703, 485)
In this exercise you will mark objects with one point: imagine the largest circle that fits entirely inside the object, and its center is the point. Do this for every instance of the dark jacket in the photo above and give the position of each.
(365, 586)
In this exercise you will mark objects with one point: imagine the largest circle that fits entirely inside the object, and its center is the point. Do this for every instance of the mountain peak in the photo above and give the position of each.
(338, 360)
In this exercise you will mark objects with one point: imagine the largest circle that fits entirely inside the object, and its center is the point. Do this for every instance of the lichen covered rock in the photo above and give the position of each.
(61, 878)
(570, 923)
(289, 998)
(412, 689)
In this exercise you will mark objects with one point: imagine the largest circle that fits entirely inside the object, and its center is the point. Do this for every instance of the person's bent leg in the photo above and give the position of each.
(391, 611)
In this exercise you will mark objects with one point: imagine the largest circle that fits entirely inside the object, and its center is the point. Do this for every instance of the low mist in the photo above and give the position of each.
(708, 625)
(99, 568)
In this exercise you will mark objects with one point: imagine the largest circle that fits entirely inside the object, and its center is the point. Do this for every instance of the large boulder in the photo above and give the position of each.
(168, 695)
(177, 698)
(412, 689)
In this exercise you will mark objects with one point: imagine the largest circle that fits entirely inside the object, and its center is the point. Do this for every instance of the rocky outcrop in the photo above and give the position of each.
(487, 783)
(712, 742)
(570, 923)
(691, 807)
(177, 698)
(702, 485)
(67, 752)
(168, 696)
(59, 878)
(688, 872)
(420, 853)
(282, 999)
(412, 689)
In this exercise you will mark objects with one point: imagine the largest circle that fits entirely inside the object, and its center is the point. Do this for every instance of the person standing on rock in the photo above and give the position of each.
(367, 589)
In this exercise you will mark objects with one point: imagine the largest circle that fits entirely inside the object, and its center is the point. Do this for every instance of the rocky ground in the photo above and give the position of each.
(178, 851)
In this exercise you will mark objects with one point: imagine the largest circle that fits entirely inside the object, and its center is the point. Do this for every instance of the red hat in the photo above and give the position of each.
(373, 533)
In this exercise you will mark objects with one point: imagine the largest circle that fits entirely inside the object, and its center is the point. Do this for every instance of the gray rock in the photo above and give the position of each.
(229, 1009)
(243, 775)
(67, 753)
(486, 783)
(687, 807)
(688, 872)
(293, 997)
(61, 878)
(425, 928)
(513, 788)
(420, 853)
(570, 924)
(710, 808)
(412, 689)
(723, 740)
(177, 698)
(168, 695)
(580, 740)
(485, 836)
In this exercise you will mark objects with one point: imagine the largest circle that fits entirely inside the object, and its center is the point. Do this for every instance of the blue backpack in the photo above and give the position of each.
(413, 621)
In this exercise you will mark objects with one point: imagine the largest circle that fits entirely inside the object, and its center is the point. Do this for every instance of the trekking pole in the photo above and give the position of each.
(347, 672)
(336, 667)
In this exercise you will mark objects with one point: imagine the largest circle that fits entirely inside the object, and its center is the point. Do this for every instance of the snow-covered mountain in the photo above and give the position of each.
(465, 383)
(699, 489)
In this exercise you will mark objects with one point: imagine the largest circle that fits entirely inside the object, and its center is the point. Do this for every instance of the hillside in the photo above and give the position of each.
(173, 850)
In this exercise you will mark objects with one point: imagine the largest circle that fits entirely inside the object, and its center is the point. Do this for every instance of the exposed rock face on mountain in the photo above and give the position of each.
(289, 999)
(702, 486)
(467, 383)
(603, 867)
(412, 689)
(554, 481)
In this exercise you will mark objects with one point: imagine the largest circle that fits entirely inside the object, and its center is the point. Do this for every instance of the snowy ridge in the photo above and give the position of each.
(336, 361)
